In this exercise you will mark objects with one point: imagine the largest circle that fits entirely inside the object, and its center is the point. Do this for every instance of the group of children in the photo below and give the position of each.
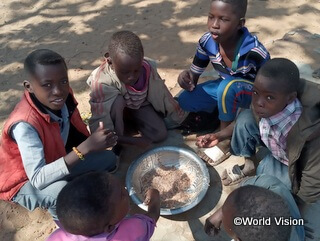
(50, 160)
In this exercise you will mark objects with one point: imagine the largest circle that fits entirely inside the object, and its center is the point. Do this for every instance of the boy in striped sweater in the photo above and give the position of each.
(127, 90)
(236, 55)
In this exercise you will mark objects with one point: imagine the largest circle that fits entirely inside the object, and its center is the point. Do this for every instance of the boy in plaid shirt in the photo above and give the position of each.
(285, 117)
(275, 111)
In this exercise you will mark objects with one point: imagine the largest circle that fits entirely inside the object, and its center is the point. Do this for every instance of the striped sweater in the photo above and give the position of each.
(252, 55)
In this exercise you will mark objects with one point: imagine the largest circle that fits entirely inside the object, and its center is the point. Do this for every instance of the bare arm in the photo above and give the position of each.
(99, 140)
(212, 139)
(213, 223)
(153, 201)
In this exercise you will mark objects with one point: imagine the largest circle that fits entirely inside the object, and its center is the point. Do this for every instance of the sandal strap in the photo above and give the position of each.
(235, 173)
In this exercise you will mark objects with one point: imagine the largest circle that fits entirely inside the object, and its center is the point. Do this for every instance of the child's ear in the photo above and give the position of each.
(108, 58)
(108, 228)
(242, 22)
(27, 85)
(292, 97)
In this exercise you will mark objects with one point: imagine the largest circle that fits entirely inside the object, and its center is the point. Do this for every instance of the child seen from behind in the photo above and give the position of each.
(94, 207)
(256, 210)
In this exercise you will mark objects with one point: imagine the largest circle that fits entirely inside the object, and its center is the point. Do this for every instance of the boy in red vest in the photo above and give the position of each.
(44, 142)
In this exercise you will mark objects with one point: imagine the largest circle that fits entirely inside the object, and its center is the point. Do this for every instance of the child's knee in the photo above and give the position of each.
(223, 88)
(184, 101)
(245, 121)
(162, 135)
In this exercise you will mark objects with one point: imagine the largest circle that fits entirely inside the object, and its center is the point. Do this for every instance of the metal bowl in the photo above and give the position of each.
(169, 156)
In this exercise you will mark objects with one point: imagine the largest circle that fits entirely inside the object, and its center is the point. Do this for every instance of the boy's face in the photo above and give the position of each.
(50, 85)
(119, 202)
(267, 100)
(127, 68)
(223, 22)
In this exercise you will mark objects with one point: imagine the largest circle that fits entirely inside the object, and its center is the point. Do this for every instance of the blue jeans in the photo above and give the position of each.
(309, 212)
(31, 198)
(226, 94)
(246, 138)
(276, 186)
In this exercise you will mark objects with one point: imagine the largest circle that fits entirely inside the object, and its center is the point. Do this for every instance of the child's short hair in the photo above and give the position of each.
(125, 42)
(43, 57)
(240, 6)
(258, 202)
(283, 72)
(84, 203)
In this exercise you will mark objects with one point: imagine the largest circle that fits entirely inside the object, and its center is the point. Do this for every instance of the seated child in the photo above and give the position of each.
(236, 55)
(260, 197)
(288, 126)
(44, 142)
(94, 207)
(290, 129)
(127, 90)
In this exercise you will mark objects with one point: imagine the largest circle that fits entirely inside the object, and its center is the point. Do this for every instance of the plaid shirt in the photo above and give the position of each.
(274, 130)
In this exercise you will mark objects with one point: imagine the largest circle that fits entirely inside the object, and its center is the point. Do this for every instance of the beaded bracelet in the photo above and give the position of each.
(79, 154)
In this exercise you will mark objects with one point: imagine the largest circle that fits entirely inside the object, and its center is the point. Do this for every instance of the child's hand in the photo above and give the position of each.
(152, 196)
(185, 80)
(153, 201)
(100, 139)
(213, 223)
(208, 140)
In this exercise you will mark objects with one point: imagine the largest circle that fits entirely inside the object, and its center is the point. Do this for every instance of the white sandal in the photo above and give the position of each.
(213, 155)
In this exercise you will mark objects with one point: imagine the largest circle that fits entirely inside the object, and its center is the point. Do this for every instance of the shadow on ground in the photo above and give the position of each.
(80, 30)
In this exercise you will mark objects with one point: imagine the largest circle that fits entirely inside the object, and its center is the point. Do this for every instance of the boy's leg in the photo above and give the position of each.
(231, 95)
(202, 98)
(31, 198)
(272, 167)
(245, 139)
(150, 123)
(117, 114)
(309, 212)
(246, 135)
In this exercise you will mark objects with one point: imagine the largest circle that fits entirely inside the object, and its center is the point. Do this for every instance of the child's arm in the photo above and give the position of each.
(188, 79)
(153, 201)
(213, 223)
(99, 140)
(33, 157)
(212, 139)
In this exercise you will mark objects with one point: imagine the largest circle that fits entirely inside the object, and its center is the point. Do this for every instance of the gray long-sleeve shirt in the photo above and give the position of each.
(39, 173)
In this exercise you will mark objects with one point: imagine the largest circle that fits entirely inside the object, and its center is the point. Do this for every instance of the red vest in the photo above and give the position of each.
(12, 173)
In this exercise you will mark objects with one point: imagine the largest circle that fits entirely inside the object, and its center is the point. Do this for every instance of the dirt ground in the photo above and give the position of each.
(169, 29)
